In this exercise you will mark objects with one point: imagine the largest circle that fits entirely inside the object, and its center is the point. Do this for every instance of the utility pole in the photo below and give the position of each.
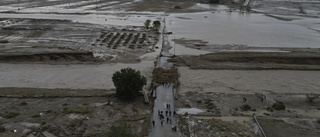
(174, 49)
(18, 4)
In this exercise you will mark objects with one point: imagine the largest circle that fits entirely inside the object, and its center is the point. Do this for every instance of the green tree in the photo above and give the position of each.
(147, 23)
(177, 7)
(156, 24)
(128, 83)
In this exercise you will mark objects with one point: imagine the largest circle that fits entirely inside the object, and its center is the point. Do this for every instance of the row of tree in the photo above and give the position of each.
(156, 24)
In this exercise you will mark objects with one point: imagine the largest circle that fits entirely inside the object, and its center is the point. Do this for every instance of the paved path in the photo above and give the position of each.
(164, 96)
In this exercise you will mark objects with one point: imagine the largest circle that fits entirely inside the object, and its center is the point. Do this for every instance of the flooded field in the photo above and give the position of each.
(236, 28)
(57, 58)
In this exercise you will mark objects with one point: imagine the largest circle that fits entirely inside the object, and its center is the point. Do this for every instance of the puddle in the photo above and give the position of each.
(163, 63)
(189, 110)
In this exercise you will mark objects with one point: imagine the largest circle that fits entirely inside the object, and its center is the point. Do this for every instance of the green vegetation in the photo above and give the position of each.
(278, 106)
(209, 104)
(156, 24)
(311, 98)
(128, 83)
(2, 129)
(183, 125)
(147, 23)
(245, 107)
(177, 7)
(122, 130)
(10, 114)
(35, 115)
(161, 75)
(23, 103)
(219, 125)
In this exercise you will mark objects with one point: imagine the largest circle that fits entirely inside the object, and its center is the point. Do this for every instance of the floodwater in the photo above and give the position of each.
(257, 30)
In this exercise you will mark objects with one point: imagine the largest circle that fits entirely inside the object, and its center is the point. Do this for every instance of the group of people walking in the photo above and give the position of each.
(166, 85)
(168, 116)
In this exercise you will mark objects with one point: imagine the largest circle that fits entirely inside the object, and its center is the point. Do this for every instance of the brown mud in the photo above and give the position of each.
(253, 61)
(67, 112)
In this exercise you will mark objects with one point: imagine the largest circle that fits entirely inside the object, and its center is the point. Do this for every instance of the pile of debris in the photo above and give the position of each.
(161, 75)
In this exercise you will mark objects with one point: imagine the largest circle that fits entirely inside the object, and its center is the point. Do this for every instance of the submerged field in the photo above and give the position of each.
(57, 58)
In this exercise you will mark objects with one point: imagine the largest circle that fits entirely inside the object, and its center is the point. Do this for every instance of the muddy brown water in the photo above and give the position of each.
(258, 30)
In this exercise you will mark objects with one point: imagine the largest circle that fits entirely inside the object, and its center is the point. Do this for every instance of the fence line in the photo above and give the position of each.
(255, 119)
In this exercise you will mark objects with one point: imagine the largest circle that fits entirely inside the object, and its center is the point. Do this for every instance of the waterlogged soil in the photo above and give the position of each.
(50, 113)
(284, 7)
(100, 28)
(289, 130)
(85, 6)
(298, 113)
(253, 59)
(49, 40)
(214, 127)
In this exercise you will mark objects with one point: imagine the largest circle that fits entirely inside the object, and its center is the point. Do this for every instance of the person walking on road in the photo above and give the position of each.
(167, 120)
(153, 123)
(161, 123)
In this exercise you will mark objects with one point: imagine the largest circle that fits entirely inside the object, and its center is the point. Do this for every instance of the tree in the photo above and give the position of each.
(156, 24)
(128, 83)
(177, 7)
(147, 23)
